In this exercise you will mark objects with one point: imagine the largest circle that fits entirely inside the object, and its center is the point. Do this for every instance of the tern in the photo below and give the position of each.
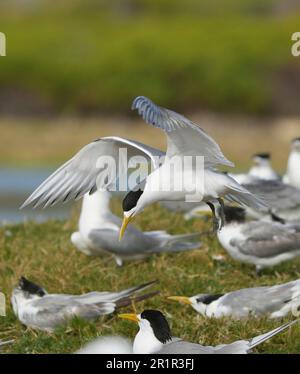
(272, 301)
(154, 336)
(37, 309)
(99, 232)
(261, 169)
(261, 243)
(82, 174)
(292, 176)
(185, 139)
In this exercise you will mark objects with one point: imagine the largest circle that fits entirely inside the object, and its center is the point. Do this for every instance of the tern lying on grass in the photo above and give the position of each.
(261, 243)
(99, 232)
(82, 174)
(35, 308)
(272, 301)
(292, 176)
(154, 336)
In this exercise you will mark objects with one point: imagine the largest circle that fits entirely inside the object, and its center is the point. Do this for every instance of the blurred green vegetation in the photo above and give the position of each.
(83, 56)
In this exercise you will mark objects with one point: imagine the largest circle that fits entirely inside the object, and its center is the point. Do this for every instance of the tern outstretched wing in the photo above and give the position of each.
(84, 173)
(185, 138)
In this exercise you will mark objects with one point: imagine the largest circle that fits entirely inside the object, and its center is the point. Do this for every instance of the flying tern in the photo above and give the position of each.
(40, 310)
(272, 301)
(154, 336)
(81, 174)
(99, 231)
(185, 139)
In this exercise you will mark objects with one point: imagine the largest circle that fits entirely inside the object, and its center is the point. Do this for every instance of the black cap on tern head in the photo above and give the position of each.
(159, 324)
(234, 214)
(131, 199)
(207, 298)
(264, 155)
(296, 140)
(30, 287)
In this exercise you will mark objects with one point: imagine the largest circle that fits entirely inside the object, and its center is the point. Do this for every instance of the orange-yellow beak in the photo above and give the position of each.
(125, 223)
(181, 299)
(130, 316)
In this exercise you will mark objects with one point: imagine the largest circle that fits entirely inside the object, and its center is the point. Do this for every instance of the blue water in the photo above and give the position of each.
(15, 186)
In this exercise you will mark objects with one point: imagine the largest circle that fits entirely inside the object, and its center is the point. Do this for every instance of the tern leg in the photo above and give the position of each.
(222, 215)
(215, 219)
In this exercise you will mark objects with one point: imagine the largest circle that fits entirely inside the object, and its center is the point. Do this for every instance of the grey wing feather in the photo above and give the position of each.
(268, 240)
(184, 136)
(258, 300)
(276, 194)
(83, 173)
(54, 312)
(178, 346)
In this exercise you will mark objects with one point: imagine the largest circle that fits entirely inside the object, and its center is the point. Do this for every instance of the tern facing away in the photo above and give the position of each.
(272, 301)
(154, 336)
(292, 176)
(37, 309)
(261, 243)
(81, 174)
(99, 233)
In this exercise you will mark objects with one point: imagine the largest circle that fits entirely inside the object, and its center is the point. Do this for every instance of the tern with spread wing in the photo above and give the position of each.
(272, 301)
(261, 243)
(37, 309)
(185, 140)
(82, 174)
(99, 231)
(154, 336)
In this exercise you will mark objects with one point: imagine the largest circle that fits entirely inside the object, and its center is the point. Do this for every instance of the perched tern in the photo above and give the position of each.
(272, 301)
(99, 231)
(154, 336)
(262, 168)
(81, 174)
(35, 308)
(292, 176)
(261, 243)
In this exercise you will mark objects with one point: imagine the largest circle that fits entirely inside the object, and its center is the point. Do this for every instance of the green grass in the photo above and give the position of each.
(82, 59)
(43, 253)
